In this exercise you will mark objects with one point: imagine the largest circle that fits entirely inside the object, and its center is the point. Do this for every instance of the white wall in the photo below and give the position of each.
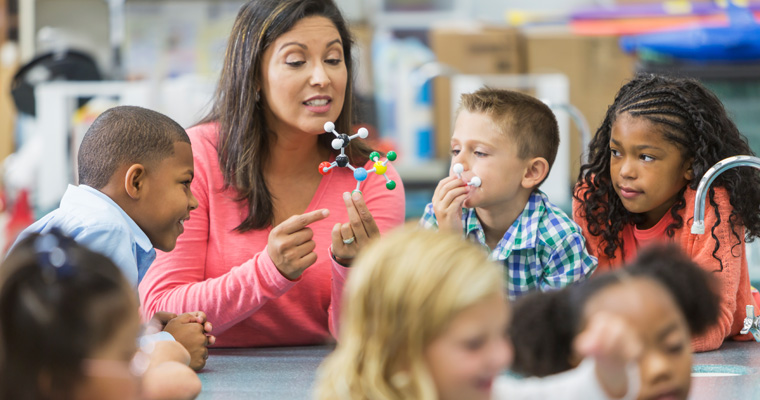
(84, 23)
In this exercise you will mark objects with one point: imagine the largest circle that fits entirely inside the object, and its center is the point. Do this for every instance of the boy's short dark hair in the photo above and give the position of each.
(125, 134)
(527, 120)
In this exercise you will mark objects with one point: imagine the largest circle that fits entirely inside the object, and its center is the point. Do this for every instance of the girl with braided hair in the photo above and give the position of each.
(658, 138)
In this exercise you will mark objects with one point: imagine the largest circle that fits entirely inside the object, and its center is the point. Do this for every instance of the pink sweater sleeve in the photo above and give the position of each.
(339, 276)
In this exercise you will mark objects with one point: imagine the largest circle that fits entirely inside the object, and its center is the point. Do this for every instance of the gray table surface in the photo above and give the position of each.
(288, 373)
(739, 357)
(261, 373)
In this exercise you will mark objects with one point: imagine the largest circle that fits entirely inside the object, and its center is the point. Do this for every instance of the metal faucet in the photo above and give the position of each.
(698, 226)
(751, 323)
(430, 70)
(578, 119)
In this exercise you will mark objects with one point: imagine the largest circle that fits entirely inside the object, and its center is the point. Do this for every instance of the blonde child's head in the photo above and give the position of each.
(143, 161)
(403, 293)
(658, 138)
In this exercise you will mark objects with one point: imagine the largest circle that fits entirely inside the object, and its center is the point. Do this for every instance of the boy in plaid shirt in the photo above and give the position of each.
(509, 141)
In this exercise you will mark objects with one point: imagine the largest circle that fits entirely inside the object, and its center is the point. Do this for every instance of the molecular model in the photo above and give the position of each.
(340, 142)
(458, 169)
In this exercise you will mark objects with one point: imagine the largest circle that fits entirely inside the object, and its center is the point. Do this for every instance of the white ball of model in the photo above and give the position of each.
(474, 182)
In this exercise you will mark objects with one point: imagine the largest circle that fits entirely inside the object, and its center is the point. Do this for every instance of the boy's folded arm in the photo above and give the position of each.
(428, 220)
(163, 351)
(170, 380)
(568, 262)
(168, 375)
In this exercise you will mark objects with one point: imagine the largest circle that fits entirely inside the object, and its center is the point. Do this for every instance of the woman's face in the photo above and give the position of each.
(471, 352)
(665, 364)
(304, 77)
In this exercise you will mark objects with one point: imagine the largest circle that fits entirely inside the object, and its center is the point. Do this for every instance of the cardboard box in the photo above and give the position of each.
(363, 34)
(595, 66)
(470, 50)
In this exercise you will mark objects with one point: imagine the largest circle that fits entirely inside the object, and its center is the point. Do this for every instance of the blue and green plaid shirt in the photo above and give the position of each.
(543, 249)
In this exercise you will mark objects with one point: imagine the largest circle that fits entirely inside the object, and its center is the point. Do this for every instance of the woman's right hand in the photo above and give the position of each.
(448, 198)
(349, 238)
(291, 245)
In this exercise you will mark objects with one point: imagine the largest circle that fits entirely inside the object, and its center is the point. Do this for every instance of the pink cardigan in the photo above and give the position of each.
(732, 283)
(230, 276)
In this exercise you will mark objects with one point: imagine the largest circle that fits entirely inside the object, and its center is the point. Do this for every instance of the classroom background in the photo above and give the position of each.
(62, 62)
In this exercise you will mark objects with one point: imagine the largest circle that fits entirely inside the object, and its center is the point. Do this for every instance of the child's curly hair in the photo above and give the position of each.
(699, 125)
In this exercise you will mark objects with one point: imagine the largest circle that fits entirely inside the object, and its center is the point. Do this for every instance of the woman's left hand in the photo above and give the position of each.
(349, 238)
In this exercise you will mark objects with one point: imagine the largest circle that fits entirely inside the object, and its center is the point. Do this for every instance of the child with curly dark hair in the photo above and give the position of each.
(664, 297)
(638, 187)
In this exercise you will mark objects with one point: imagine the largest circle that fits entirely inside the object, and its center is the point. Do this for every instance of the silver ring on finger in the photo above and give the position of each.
(349, 240)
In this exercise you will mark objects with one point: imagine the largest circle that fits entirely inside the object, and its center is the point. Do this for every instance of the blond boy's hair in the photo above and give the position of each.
(524, 118)
(402, 293)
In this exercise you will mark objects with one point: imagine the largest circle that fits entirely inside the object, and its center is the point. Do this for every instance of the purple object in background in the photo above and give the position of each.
(740, 41)
(648, 10)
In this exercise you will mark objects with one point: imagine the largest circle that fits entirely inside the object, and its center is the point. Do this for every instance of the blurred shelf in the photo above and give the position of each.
(423, 175)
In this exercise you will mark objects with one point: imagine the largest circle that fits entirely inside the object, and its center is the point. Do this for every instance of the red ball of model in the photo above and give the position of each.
(323, 168)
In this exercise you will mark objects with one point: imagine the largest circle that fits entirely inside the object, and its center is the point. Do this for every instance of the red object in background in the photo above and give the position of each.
(21, 216)
(635, 26)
